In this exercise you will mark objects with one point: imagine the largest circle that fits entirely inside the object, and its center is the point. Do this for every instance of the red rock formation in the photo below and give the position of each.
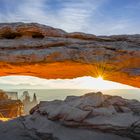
(9, 108)
(43, 51)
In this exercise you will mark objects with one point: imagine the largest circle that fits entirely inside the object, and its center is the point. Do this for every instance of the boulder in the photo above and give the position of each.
(111, 114)
(63, 111)
(104, 111)
(90, 99)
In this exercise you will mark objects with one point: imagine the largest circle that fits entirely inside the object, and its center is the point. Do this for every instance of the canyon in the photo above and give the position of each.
(43, 51)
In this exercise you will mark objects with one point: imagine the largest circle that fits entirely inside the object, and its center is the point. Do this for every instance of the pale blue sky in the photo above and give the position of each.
(101, 17)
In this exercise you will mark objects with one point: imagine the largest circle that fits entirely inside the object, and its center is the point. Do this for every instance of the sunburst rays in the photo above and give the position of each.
(101, 68)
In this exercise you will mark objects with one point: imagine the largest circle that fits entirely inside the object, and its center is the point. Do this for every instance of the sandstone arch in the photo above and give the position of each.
(43, 51)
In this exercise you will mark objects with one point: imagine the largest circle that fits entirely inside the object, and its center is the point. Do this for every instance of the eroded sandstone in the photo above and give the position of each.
(9, 108)
(43, 51)
(94, 111)
(91, 116)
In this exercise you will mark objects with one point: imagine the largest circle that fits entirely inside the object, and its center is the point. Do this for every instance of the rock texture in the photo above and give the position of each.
(91, 116)
(9, 108)
(106, 113)
(43, 51)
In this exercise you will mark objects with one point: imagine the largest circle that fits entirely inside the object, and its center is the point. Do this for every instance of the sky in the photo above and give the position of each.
(100, 17)
(30, 82)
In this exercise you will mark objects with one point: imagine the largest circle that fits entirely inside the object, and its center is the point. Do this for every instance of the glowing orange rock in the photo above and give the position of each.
(43, 51)
(9, 108)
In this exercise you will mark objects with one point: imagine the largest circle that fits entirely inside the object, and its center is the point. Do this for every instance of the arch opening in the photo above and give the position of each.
(31, 90)
(42, 51)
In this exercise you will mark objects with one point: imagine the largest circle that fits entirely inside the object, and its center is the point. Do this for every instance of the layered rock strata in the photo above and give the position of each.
(38, 50)
(9, 108)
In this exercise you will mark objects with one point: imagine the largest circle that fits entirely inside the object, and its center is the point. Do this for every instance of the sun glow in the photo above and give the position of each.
(100, 78)
(100, 84)
(86, 82)
(4, 119)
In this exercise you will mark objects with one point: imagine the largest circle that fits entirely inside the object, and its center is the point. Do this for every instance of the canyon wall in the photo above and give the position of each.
(9, 108)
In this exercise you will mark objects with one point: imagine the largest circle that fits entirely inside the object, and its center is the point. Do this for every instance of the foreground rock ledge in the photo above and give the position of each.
(87, 117)
(42, 51)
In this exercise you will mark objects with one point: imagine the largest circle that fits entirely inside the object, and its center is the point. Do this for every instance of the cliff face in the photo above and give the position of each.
(43, 51)
(9, 108)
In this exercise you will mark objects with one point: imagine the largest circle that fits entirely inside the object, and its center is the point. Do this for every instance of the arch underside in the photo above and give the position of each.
(56, 54)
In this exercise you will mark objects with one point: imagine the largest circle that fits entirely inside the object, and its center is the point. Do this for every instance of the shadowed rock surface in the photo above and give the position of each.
(91, 116)
(42, 51)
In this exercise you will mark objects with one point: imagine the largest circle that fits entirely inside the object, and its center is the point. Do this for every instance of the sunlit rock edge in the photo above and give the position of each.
(43, 51)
